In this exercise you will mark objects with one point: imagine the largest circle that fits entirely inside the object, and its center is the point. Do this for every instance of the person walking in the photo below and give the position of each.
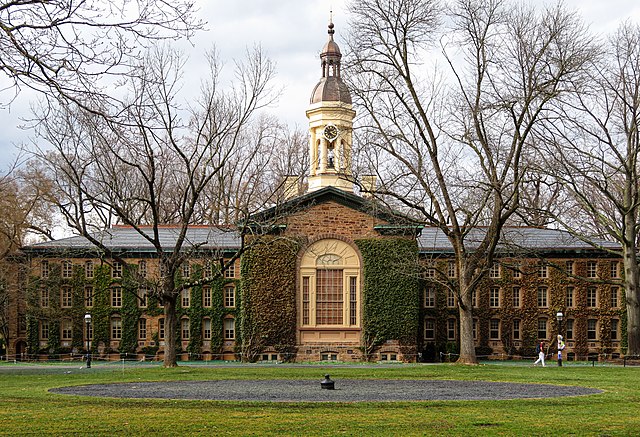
(540, 351)
(561, 347)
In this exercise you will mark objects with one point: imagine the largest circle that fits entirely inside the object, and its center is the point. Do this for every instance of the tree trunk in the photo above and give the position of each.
(170, 332)
(467, 344)
(632, 289)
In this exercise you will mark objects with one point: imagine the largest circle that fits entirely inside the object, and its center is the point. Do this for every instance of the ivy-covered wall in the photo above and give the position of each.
(390, 293)
(268, 311)
(130, 312)
(528, 312)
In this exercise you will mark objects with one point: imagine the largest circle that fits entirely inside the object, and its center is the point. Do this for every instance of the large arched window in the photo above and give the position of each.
(330, 285)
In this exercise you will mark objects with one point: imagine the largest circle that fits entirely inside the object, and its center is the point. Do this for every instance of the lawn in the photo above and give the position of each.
(28, 408)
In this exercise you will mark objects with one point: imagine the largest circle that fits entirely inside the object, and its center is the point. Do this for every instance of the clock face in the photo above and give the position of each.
(330, 132)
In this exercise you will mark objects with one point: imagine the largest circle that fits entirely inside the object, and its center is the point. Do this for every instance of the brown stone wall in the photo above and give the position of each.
(331, 218)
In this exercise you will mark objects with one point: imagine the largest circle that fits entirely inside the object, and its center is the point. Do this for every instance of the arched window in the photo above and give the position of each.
(330, 285)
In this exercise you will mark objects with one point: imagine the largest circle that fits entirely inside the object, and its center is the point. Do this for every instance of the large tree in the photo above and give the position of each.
(594, 154)
(158, 162)
(450, 147)
(65, 47)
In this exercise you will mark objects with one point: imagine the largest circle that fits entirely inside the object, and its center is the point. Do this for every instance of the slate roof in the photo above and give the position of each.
(127, 239)
(514, 239)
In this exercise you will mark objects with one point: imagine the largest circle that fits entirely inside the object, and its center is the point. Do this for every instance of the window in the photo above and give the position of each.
(67, 269)
(230, 272)
(615, 269)
(517, 272)
(543, 271)
(116, 328)
(494, 271)
(430, 272)
(305, 300)
(542, 328)
(44, 298)
(329, 285)
(229, 296)
(569, 329)
(186, 297)
(184, 329)
(116, 270)
(329, 297)
(142, 268)
(592, 269)
(65, 297)
(208, 271)
(142, 329)
(161, 329)
(429, 329)
(451, 269)
(44, 268)
(542, 297)
(615, 292)
(206, 296)
(494, 329)
(569, 293)
(353, 300)
(116, 297)
(592, 333)
(88, 296)
(429, 297)
(186, 270)
(206, 329)
(474, 298)
(516, 297)
(614, 329)
(516, 329)
(229, 329)
(451, 299)
(592, 297)
(568, 267)
(44, 330)
(66, 328)
(143, 297)
(494, 297)
(88, 269)
(474, 329)
(451, 329)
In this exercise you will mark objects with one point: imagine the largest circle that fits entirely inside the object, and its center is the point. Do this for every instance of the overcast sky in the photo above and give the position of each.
(292, 32)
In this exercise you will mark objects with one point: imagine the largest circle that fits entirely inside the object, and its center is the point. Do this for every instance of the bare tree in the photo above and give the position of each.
(154, 166)
(594, 151)
(453, 155)
(64, 47)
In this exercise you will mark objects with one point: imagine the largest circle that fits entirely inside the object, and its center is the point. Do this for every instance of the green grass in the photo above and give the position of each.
(26, 406)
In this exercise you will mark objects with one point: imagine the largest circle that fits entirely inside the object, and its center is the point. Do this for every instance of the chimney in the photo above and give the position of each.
(368, 185)
(290, 187)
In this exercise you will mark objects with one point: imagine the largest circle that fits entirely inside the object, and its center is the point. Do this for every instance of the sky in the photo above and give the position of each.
(292, 33)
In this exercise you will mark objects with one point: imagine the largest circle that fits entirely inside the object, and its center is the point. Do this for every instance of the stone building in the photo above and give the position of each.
(341, 279)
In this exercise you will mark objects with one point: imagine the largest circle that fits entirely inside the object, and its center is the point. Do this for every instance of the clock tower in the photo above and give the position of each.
(330, 117)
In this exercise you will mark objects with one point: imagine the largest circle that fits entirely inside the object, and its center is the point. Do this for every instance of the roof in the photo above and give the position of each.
(350, 200)
(127, 239)
(514, 239)
(330, 89)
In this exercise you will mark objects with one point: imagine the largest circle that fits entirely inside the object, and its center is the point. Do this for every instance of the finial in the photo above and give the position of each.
(331, 31)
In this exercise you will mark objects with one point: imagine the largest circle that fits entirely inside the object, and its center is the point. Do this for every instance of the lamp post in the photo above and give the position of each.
(559, 316)
(87, 319)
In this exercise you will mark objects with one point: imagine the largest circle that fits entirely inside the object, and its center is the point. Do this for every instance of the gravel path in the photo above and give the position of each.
(348, 390)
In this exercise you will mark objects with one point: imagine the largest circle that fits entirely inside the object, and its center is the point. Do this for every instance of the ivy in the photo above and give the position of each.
(268, 303)
(390, 293)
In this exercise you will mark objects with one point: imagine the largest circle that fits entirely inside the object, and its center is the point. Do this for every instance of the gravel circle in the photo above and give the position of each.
(348, 390)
